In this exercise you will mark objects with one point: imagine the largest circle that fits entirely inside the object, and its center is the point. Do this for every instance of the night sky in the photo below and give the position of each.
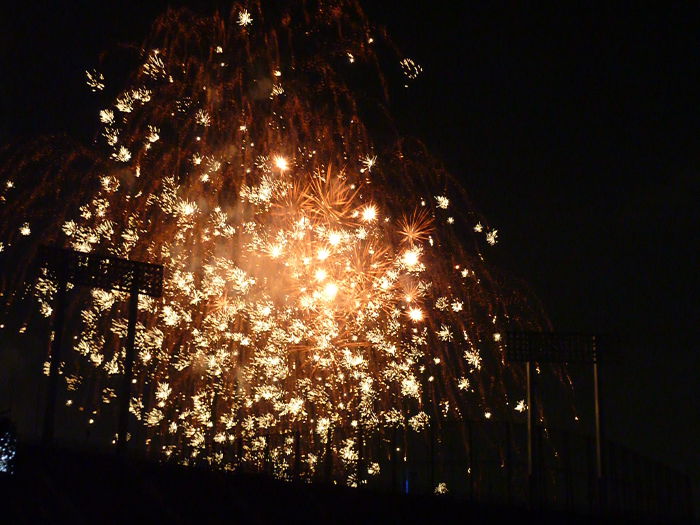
(574, 130)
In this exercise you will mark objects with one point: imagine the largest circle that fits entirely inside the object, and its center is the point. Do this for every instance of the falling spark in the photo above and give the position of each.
(368, 163)
(122, 155)
(202, 118)
(410, 68)
(369, 213)
(491, 237)
(441, 488)
(410, 258)
(244, 18)
(281, 163)
(416, 314)
(95, 80)
(152, 135)
(107, 116)
(154, 66)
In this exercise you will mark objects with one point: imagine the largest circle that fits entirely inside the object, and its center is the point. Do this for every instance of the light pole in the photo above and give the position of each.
(554, 347)
(108, 272)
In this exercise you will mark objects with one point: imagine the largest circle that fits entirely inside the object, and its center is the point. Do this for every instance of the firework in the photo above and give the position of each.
(317, 278)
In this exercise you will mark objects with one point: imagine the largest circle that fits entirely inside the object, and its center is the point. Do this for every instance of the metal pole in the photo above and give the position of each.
(329, 458)
(239, 452)
(600, 479)
(596, 401)
(431, 453)
(59, 319)
(123, 427)
(360, 455)
(214, 417)
(568, 470)
(394, 461)
(539, 475)
(528, 373)
(530, 426)
(472, 461)
(297, 455)
(267, 466)
(509, 466)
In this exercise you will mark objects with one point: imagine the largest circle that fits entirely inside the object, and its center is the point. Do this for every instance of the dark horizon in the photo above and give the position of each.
(574, 130)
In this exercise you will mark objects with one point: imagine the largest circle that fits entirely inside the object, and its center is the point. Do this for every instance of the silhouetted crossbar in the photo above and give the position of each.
(551, 347)
(102, 271)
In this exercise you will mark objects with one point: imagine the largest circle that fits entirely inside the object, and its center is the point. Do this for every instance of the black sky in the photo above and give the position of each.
(574, 130)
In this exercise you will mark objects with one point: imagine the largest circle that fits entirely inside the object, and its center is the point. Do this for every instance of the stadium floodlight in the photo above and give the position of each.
(108, 272)
(554, 347)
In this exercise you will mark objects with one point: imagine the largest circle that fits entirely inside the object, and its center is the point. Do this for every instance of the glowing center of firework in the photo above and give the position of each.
(415, 314)
(323, 254)
(410, 258)
(369, 213)
(281, 163)
(188, 208)
(320, 275)
(330, 291)
(334, 239)
(275, 251)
